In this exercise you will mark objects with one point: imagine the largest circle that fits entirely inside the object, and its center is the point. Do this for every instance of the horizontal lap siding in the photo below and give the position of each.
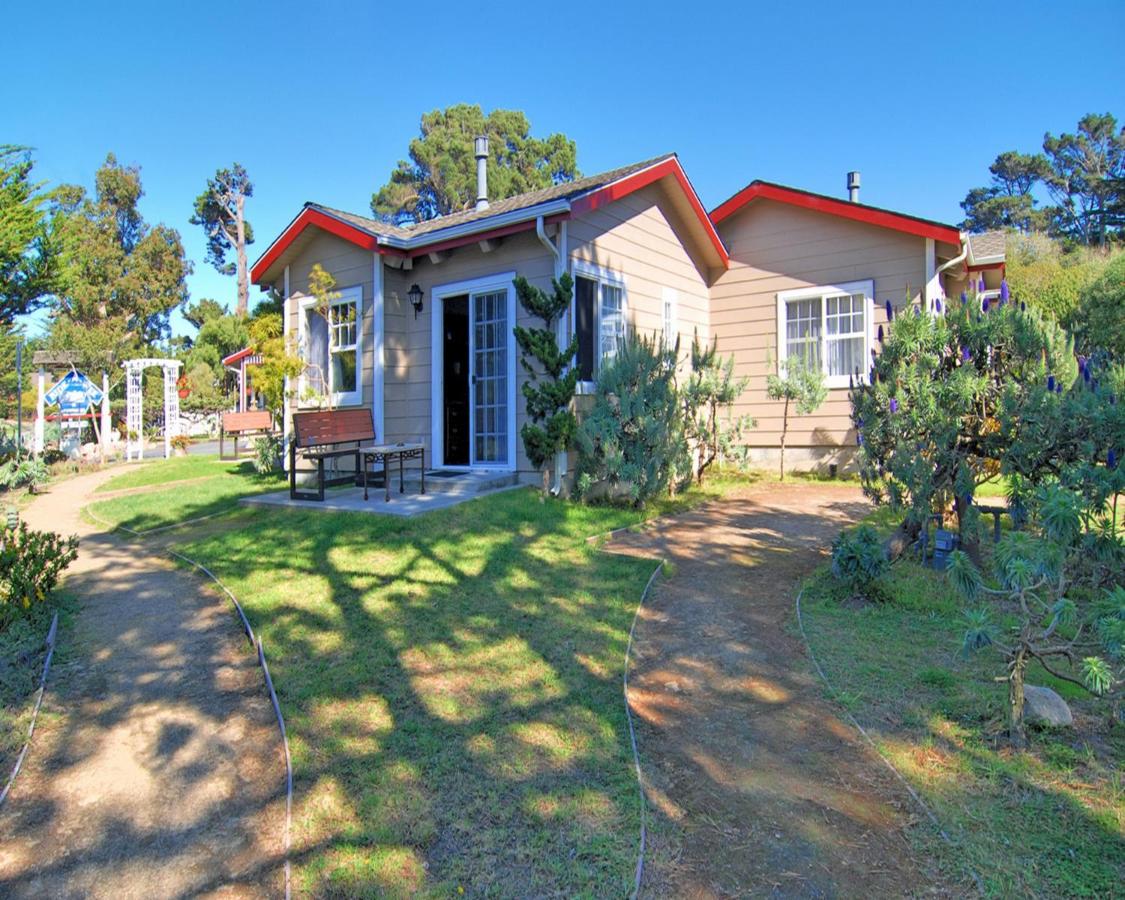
(637, 237)
(775, 247)
(407, 375)
(351, 266)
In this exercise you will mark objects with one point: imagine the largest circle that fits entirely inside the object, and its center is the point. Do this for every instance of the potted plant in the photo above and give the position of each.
(180, 444)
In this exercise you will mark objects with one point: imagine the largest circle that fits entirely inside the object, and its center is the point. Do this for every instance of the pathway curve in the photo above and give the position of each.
(156, 770)
(759, 788)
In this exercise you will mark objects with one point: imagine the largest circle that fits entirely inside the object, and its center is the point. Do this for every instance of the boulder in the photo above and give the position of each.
(1042, 706)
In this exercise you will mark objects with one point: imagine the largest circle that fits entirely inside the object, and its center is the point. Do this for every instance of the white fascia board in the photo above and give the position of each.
(529, 213)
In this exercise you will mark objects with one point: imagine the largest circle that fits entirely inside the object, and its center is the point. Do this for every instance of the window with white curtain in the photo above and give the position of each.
(829, 327)
(331, 348)
(601, 307)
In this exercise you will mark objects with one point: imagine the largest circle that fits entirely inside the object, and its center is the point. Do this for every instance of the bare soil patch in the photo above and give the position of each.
(758, 786)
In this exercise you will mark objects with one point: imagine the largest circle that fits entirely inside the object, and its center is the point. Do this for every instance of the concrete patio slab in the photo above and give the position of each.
(350, 499)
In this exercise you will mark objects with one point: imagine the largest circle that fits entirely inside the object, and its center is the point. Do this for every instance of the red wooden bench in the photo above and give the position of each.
(253, 423)
(329, 434)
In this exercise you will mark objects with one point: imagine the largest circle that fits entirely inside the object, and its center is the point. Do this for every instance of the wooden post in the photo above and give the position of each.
(40, 411)
(105, 415)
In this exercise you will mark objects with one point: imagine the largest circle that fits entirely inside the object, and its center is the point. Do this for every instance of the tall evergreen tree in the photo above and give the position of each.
(440, 176)
(221, 211)
(27, 254)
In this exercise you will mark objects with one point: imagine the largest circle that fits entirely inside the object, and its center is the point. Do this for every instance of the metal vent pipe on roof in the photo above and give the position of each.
(481, 145)
(853, 187)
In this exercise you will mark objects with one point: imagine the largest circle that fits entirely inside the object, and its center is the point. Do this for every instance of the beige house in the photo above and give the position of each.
(421, 332)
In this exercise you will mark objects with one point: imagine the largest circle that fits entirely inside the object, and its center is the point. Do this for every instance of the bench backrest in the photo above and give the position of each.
(252, 420)
(333, 426)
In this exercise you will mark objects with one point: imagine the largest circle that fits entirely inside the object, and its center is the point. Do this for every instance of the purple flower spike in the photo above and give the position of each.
(1111, 459)
(965, 354)
(879, 334)
(964, 298)
(859, 439)
(1058, 388)
(937, 305)
(1086, 374)
(984, 305)
(893, 405)
(1004, 293)
(980, 285)
(917, 311)
(890, 312)
(1051, 383)
(1023, 306)
(1113, 399)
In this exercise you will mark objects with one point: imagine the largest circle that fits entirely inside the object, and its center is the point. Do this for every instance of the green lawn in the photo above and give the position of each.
(178, 468)
(201, 496)
(1048, 822)
(451, 685)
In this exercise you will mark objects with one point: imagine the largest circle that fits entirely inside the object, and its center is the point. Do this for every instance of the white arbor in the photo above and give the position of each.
(134, 404)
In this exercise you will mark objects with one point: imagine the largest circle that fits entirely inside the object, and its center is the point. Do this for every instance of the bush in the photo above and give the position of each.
(267, 454)
(31, 563)
(28, 472)
(633, 440)
(858, 561)
(1098, 323)
(180, 442)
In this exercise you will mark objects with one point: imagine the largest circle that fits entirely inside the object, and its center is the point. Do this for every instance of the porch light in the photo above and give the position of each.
(414, 295)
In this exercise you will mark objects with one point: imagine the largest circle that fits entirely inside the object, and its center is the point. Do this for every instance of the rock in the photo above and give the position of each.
(1042, 706)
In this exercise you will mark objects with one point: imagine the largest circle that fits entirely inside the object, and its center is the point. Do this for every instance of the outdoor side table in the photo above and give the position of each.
(387, 453)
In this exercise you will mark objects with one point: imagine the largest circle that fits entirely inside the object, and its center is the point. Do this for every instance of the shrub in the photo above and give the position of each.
(799, 384)
(633, 439)
(267, 454)
(31, 563)
(1098, 322)
(858, 561)
(28, 472)
(180, 442)
(708, 398)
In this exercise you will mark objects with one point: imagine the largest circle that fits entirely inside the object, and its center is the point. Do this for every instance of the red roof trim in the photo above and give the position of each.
(309, 216)
(452, 243)
(642, 179)
(858, 212)
(238, 356)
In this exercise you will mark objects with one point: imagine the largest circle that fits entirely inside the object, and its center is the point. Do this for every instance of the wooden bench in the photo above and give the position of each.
(329, 434)
(253, 423)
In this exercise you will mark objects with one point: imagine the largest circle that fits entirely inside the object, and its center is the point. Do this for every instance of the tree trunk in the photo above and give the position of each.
(784, 431)
(1016, 734)
(243, 283)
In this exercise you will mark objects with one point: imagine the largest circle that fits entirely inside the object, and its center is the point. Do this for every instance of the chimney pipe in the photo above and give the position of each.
(853, 187)
(481, 145)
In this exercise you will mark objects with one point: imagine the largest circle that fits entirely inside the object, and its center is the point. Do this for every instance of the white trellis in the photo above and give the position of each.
(134, 404)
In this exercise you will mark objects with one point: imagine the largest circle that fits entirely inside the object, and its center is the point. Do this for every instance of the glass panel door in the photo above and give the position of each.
(490, 378)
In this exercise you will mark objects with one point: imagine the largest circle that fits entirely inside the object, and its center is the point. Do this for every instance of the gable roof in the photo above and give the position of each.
(860, 212)
(987, 248)
(504, 216)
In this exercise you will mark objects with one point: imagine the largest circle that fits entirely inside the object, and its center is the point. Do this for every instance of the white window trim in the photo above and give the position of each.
(602, 276)
(353, 294)
(867, 288)
(670, 297)
(501, 282)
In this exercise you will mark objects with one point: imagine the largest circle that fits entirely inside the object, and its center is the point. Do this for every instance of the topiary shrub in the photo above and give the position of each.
(632, 442)
(267, 454)
(858, 562)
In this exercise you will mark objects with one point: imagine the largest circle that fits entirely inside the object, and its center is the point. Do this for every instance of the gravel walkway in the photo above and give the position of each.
(156, 770)
(759, 788)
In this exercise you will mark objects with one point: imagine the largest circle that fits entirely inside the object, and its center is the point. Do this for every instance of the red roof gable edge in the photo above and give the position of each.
(871, 215)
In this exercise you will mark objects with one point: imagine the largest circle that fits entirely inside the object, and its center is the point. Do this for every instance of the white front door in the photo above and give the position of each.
(488, 351)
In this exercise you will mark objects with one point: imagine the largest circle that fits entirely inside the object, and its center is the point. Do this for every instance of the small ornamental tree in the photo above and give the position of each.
(280, 361)
(1042, 608)
(801, 386)
(708, 397)
(552, 378)
(927, 413)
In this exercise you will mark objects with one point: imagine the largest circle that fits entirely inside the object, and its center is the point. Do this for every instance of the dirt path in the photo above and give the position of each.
(156, 770)
(759, 788)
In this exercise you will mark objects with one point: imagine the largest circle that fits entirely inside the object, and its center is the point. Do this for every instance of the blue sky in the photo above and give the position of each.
(319, 99)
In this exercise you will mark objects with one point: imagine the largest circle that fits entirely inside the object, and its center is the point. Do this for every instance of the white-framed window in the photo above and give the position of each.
(671, 326)
(601, 316)
(828, 326)
(332, 347)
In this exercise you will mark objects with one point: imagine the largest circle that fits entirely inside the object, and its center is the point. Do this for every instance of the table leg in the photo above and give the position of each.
(365, 477)
(386, 477)
(422, 456)
(401, 481)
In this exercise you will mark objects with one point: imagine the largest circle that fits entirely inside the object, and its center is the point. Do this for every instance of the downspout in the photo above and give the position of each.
(957, 259)
(557, 254)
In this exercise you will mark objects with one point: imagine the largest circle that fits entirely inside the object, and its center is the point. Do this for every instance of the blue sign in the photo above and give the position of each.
(74, 394)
